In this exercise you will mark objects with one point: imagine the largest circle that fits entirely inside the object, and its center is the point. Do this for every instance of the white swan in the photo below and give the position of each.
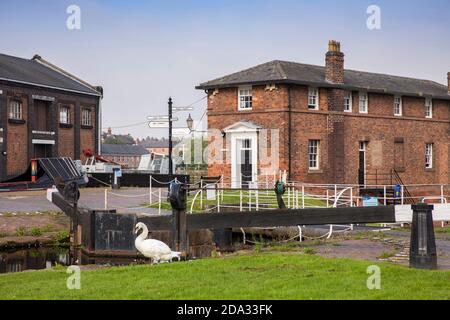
(156, 250)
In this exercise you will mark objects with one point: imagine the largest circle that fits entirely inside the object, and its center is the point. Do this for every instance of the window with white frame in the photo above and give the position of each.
(397, 106)
(313, 98)
(86, 117)
(313, 154)
(245, 98)
(429, 156)
(15, 110)
(428, 108)
(64, 115)
(363, 102)
(348, 101)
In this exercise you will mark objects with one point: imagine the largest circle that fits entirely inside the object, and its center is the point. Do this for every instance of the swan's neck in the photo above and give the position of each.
(144, 234)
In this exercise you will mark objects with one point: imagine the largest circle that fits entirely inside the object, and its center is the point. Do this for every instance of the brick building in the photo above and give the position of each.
(128, 156)
(335, 125)
(44, 112)
(156, 146)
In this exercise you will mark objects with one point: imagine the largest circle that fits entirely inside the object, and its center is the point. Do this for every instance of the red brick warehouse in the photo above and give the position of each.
(44, 112)
(335, 125)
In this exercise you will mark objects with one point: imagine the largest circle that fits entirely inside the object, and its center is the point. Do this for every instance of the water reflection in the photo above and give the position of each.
(47, 258)
(33, 259)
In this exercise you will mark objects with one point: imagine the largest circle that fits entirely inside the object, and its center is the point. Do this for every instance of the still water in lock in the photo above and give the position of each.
(48, 257)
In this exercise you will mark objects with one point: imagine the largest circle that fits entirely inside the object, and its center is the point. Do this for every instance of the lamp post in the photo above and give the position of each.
(170, 140)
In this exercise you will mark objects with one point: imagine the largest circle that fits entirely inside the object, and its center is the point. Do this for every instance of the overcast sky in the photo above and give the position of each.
(142, 52)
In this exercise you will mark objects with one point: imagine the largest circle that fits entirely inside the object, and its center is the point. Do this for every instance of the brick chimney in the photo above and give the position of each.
(448, 81)
(334, 63)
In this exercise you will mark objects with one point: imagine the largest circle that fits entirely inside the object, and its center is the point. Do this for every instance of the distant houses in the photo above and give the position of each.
(128, 156)
(156, 146)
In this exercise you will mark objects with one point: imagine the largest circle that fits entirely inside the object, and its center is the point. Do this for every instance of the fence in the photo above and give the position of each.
(219, 196)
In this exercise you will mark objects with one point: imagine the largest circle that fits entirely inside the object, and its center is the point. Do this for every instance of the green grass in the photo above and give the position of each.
(445, 230)
(232, 197)
(257, 276)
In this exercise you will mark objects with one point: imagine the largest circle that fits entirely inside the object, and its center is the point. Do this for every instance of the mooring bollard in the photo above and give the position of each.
(178, 201)
(422, 253)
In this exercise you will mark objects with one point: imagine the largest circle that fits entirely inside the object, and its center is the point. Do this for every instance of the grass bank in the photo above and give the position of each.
(258, 276)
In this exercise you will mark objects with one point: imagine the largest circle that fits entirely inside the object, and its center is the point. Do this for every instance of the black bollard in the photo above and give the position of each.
(422, 254)
(178, 199)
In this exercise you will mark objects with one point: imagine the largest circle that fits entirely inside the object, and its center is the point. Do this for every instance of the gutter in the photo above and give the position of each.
(326, 85)
(50, 87)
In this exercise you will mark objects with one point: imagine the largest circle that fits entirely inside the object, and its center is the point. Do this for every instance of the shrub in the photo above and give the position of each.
(36, 232)
(63, 236)
(21, 231)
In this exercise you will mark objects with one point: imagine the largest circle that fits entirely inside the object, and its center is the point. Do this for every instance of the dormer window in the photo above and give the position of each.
(428, 108)
(398, 106)
(363, 102)
(245, 98)
(313, 99)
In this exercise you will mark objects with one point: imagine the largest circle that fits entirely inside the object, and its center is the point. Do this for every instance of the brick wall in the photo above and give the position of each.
(87, 135)
(269, 111)
(17, 134)
(380, 128)
(66, 135)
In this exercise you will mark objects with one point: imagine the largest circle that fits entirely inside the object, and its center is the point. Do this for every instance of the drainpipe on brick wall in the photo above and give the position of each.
(289, 134)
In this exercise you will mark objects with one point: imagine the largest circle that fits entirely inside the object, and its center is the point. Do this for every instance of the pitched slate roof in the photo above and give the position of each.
(39, 72)
(123, 149)
(155, 143)
(298, 73)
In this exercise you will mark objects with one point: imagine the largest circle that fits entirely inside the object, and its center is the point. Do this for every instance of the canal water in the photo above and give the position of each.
(48, 257)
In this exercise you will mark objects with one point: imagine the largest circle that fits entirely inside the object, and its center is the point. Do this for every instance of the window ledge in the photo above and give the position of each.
(430, 170)
(87, 127)
(245, 109)
(16, 121)
(314, 171)
(66, 125)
